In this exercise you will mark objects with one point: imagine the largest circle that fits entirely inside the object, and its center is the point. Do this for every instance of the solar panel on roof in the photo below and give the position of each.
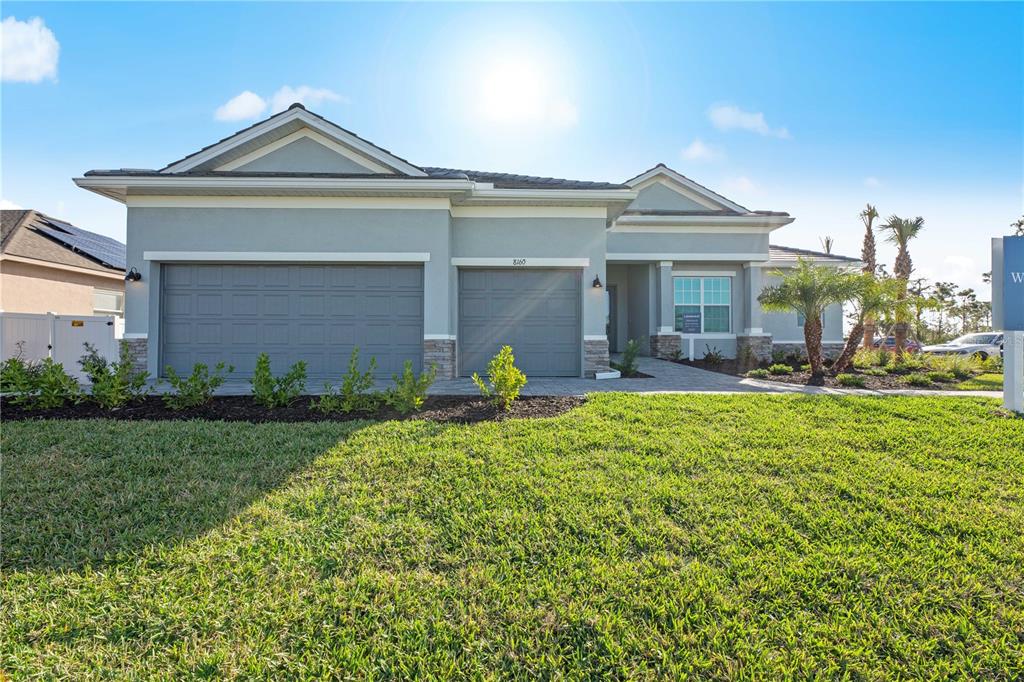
(107, 251)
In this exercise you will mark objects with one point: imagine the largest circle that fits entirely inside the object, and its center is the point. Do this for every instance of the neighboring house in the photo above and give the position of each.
(51, 266)
(297, 237)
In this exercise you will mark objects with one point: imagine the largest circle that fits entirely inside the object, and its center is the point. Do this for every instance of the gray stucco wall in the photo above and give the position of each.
(541, 238)
(687, 242)
(660, 196)
(283, 230)
(304, 156)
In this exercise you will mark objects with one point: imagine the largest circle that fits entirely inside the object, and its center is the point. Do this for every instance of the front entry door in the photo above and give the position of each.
(613, 319)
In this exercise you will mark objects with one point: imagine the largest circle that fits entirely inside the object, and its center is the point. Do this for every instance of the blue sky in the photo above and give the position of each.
(809, 108)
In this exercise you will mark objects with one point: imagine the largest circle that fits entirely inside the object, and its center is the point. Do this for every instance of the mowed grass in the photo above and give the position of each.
(758, 537)
(982, 382)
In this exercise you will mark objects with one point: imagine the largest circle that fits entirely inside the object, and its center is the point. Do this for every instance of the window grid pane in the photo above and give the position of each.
(716, 319)
(710, 297)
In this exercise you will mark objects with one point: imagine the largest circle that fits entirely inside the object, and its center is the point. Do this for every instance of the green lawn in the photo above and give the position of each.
(982, 382)
(637, 537)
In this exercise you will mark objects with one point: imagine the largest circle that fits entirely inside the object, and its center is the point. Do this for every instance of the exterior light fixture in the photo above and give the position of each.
(133, 276)
(597, 282)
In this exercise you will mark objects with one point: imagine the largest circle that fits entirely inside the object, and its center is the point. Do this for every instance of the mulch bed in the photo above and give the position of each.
(445, 409)
(887, 382)
(724, 367)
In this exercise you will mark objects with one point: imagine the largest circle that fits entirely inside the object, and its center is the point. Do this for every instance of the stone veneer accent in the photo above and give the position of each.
(595, 357)
(829, 350)
(666, 346)
(135, 350)
(440, 352)
(753, 350)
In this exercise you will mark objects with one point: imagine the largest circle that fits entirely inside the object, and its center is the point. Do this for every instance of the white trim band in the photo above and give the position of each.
(439, 337)
(286, 256)
(704, 273)
(176, 201)
(135, 335)
(523, 262)
(688, 256)
(595, 337)
(529, 212)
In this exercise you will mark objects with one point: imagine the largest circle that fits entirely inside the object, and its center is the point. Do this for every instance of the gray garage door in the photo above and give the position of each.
(535, 311)
(316, 313)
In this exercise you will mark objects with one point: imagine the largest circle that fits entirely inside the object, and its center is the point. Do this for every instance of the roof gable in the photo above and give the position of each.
(670, 190)
(295, 122)
(305, 151)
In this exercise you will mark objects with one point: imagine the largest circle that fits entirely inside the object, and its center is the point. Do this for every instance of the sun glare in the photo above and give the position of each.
(513, 91)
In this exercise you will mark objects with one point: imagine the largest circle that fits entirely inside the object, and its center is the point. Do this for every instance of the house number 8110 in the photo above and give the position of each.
(518, 261)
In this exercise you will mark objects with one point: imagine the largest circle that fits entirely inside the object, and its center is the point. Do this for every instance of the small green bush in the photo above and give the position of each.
(778, 356)
(780, 369)
(271, 391)
(941, 377)
(876, 372)
(506, 380)
(992, 364)
(113, 384)
(713, 356)
(43, 385)
(852, 380)
(356, 391)
(805, 367)
(759, 373)
(197, 388)
(410, 392)
(960, 366)
(628, 366)
(919, 380)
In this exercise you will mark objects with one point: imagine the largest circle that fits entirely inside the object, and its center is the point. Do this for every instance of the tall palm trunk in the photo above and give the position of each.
(850, 348)
(868, 256)
(902, 269)
(812, 342)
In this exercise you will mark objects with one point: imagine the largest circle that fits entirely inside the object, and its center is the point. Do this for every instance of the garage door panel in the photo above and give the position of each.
(537, 312)
(231, 313)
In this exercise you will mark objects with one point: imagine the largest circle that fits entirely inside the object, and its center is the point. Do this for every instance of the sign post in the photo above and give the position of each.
(1008, 315)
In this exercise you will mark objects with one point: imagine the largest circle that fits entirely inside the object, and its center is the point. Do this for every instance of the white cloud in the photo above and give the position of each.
(742, 185)
(8, 205)
(731, 117)
(307, 96)
(30, 51)
(698, 150)
(872, 181)
(241, 107)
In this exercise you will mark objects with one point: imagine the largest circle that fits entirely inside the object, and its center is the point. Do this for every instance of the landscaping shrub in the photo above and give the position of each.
(941, 377)
(197, 388)
(281, 391)
(356, 392)
(960, 366)
(993, 364)
(778, 357)
(910, 363)
(113, 384)
(780, 369)
(805, 367)
(42, 385)
(713, 356)
(506, 380)
(851, 380)
(410, 391)
(919, 380)
(759, 373)
(628, 366)
(876, 372)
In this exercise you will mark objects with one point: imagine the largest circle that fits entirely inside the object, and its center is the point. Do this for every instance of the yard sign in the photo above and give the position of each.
(1008, 314)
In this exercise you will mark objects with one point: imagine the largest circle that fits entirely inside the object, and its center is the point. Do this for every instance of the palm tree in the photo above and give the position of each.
(808, 289)
(900, 232)
(868, 257)
(1018, 226)
(873, 298)
(826, 244)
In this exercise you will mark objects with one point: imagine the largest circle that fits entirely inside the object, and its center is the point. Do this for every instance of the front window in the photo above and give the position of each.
(107, 302)
(703, 305)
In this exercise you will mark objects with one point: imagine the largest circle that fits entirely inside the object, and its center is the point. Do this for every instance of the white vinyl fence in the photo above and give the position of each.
(62, 337)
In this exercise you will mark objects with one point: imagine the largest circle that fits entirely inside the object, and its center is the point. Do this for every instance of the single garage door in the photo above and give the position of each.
(536, 311)
(317, 313)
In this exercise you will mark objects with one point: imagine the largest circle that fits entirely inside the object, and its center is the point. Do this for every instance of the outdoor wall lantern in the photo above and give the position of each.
(133, 276)
(597, 282)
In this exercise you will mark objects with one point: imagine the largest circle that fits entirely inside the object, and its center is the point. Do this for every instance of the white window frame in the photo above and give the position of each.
(107, 311)
(703, 318)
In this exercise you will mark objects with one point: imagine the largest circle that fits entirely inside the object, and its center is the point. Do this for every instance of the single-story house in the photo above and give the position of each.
(297, 237)
(51, 266)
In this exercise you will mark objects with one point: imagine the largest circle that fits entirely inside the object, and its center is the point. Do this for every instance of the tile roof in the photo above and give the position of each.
(35, 235)
(792, 254)
(514, 181)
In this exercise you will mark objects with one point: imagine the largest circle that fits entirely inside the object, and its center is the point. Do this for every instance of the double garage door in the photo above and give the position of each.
(317, 313)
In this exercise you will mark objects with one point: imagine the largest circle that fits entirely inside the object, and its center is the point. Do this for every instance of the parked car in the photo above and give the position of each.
(889, 343)
(982, 345)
